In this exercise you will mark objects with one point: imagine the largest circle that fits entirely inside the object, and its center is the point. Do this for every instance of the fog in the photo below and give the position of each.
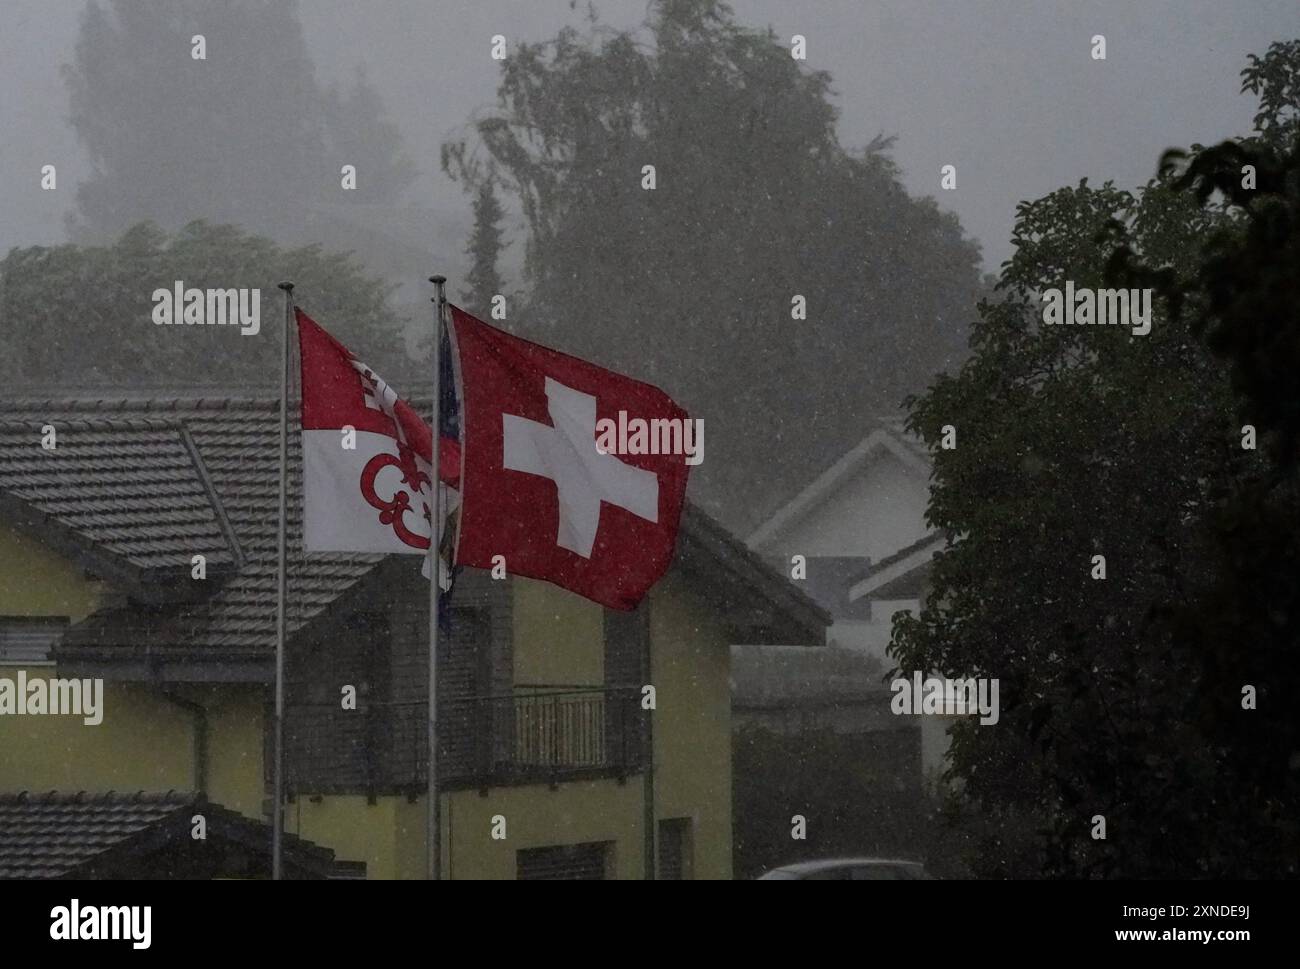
(1004, 89)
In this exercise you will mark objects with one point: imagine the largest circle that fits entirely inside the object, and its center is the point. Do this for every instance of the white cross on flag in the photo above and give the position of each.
(366, 456)
(535, 487)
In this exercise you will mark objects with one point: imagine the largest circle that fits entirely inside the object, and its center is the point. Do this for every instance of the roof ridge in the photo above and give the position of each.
(96, 424)
(148, 404)
(97, 797)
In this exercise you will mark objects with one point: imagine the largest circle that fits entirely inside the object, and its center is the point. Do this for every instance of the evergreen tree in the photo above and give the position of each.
(484, 249)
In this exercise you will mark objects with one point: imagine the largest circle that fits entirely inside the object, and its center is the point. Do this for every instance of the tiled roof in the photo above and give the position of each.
(136, 489)
(238, 443)
(50, 835)
(59, 835)
(769, 674)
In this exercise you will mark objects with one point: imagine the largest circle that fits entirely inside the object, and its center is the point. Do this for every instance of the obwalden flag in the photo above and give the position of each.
(366, 456)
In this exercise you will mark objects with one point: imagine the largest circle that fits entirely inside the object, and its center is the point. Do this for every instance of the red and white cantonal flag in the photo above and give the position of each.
(532, 488)
(368, 490)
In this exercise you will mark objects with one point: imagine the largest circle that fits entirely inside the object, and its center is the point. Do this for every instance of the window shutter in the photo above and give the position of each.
(580, 862)
(627, 658)
(24, 641)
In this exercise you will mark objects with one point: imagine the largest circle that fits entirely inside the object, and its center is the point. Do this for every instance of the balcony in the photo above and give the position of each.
(537, 734)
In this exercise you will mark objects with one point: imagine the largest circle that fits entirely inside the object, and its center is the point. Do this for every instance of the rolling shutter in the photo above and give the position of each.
(580, 862)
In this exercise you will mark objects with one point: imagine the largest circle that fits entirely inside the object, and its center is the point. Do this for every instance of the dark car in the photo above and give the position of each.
(849, 869)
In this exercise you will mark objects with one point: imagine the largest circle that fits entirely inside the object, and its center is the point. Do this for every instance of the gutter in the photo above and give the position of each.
(200, 715)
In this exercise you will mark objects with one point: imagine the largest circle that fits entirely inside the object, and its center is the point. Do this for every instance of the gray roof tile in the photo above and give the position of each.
(59, 835)
(130, 487)
(147, 502)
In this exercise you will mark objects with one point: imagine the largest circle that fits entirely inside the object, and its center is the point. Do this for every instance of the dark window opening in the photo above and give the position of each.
(675, 850)
(580, 862)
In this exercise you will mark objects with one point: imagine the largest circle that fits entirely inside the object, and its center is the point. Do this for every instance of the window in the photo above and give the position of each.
(580, 862)
(675, 854)
(27, 641)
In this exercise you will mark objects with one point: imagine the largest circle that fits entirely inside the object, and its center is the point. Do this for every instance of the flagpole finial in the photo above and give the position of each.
(287, 286)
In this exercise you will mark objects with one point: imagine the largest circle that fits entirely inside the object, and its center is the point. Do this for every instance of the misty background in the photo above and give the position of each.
(890, 92)
(1004, 89)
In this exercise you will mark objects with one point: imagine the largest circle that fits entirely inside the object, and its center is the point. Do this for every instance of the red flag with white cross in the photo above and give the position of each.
(569, 472)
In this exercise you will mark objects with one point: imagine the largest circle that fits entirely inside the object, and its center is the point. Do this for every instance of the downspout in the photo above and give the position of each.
(648, 793)
(200, 714)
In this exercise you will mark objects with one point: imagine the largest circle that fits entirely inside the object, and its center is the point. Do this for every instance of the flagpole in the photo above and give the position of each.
(434, 834)
(277, 802)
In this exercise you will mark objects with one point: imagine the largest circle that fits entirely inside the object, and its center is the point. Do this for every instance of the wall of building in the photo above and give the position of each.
(559, 637)
(36, 582)
(690, 670)
(146, 742)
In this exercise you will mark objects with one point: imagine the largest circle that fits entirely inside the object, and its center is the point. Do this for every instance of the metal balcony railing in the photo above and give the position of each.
(535, 734)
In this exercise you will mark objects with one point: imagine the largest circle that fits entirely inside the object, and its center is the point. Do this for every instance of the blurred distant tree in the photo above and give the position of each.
(1122, 696)
(76, 316)
(359, 133)
(245, 136)
(693, 284)
(484, 249)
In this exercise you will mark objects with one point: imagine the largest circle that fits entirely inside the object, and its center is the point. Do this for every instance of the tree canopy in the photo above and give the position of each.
(82, 315)
(692, 284)
(1158, 697)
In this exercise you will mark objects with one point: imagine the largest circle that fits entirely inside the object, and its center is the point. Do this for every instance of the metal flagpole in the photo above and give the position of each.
(435, 585)
(277, 803)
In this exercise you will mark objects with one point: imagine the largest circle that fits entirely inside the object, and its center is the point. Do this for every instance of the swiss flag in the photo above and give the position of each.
(366, 456)
(536, 489)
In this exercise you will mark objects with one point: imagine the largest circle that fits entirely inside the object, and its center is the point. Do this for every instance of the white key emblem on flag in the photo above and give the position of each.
(566, 453)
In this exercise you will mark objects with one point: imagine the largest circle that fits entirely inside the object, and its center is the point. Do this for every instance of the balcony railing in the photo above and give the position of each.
(537, 734)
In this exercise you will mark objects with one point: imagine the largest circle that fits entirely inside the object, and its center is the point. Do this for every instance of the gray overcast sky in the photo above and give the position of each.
(1003, 89)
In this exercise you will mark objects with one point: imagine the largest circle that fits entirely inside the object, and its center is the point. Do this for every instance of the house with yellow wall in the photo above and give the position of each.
(138, 548)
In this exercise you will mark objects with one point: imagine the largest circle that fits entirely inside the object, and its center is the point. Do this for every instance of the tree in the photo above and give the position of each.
(244, 136)
(1243, 617)
(82, 315)
(756, 207)
(1122, 696)
(484, 250)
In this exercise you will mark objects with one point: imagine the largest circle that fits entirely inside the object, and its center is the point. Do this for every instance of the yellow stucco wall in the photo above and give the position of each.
(559, 637)
(690, 669)
(36, 582)
(144, 742)
(389, 835)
